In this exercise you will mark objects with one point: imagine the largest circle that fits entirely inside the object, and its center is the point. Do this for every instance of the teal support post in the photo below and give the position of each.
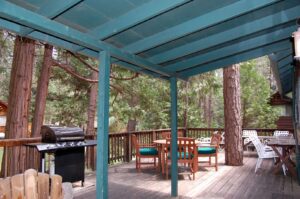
(174, 145)
(102, 126)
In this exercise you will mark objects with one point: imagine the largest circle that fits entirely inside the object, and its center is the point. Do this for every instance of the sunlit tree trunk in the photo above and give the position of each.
(18, 103)
(133, 102)
(232, 113)
(42, 91)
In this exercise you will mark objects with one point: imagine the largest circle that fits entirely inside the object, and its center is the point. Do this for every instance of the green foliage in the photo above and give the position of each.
(67, 99)
(6, 54)
(144, 99)
(255, 87)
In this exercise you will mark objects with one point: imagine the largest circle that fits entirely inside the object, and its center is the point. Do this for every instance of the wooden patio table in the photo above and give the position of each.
(288, 146)
(161, 143)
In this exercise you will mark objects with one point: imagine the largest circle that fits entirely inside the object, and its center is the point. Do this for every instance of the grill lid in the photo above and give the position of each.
(52, 134)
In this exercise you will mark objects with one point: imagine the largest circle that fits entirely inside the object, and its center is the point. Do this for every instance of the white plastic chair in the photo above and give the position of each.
(263, 153)
(246, 135)
(281, 133)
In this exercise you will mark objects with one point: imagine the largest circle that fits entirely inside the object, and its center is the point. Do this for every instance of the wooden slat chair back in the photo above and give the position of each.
(144, 151)
(211, 151)
(31, 185)
(186, 153)
(166, 135)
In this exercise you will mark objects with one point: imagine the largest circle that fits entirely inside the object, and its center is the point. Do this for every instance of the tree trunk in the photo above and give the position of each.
(232, 113)
(19, 101)
(133, 102)
(131, 125)
(209, 110)
(90, 129)
(186, 106)
(42, 91)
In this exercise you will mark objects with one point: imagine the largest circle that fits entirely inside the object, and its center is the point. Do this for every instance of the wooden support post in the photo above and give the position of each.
(174, 145)
(102, 123)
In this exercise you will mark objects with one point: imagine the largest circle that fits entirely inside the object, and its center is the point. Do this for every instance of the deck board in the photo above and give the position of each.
(228, 182)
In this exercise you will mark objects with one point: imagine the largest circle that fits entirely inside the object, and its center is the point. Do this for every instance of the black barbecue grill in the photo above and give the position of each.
(67, 145)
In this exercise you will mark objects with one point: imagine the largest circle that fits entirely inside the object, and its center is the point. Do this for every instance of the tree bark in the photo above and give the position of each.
(42, 91)
(90, 129)
(209, 110)
(186, 106)
(19, 101)
(232, 114)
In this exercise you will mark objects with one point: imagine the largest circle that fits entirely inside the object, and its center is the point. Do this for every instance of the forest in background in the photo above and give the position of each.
(142, 101)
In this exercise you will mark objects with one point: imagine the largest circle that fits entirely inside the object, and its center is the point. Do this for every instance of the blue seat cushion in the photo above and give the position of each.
(206, 150)
(148, 151)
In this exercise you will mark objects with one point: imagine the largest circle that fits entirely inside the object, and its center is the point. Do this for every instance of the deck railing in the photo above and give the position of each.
(120, 146)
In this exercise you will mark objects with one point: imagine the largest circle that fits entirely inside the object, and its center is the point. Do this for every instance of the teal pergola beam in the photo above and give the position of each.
(25, 17)
(102, 126)
(228, 35)
(134, 17)
(244, 56)
(212, 18)
(174, 145)
(232, 49)
(51, 9)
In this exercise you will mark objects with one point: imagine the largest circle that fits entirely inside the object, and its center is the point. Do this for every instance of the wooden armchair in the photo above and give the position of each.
(146, 151)
(35, 185)
(211, 150)
(186, 154)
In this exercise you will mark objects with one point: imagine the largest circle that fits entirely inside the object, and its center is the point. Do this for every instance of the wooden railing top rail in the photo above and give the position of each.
(18, 141)
(22, 141)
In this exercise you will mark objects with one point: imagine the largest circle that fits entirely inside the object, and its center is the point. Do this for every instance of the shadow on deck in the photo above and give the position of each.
(228, 182)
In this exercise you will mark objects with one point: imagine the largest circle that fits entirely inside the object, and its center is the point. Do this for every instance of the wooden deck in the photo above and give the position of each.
(228, 182)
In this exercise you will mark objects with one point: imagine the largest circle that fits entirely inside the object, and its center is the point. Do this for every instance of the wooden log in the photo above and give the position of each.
(5, 190)
(43, 185)
(56, 187)
(30, 180)
(17, 186)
